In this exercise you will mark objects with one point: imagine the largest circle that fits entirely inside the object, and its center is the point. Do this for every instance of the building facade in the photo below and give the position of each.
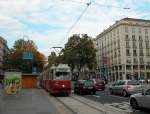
(123, 50)
(3, 51)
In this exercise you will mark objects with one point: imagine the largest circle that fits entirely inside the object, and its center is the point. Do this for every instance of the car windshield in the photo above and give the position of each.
(133, 82)
(88, 83)
(99, 81)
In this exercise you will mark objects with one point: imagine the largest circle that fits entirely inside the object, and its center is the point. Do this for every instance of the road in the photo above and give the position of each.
(115, 102)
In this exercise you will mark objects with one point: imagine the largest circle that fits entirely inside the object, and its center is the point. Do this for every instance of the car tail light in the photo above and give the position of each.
(129, 87)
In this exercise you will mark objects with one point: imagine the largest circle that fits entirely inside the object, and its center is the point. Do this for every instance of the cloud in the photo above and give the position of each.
(46, 22)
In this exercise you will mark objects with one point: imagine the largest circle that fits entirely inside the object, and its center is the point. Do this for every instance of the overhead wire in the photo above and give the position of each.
(84, 11)
(77, 20)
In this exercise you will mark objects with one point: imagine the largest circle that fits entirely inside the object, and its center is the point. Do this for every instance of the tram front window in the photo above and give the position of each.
(62, 75)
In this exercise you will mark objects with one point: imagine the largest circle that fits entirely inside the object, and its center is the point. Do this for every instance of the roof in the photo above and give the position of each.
(117, 23)
(134, 19)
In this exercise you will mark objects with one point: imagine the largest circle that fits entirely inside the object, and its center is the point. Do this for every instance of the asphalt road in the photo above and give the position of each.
(33, 101)
(115, 101)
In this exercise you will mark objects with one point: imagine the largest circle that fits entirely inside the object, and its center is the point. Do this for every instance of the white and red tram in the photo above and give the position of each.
(56, 79)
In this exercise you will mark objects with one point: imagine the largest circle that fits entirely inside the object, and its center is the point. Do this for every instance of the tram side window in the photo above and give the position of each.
(51, 75)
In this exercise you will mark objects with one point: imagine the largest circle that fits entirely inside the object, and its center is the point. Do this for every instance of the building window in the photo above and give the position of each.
(117, 31)
(146, 31)
(141, 52)
(133, 30)
(139, 30)
(140, 38)
(147, 52)
(127, 37)
(126, 29)
(128, 67)
(119, 53)
(147, 44)
(141, 61)
(128, 52)
(134, 53)
(140, 45)
(127, 44)
(146, 38)
(135, 67)
(133, 38)
(134, 44)
(135, 61)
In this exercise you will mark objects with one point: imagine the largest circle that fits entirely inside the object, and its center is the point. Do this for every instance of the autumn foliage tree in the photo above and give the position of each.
(16, 60)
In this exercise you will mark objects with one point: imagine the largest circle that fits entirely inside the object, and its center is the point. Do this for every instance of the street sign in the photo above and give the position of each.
(28, 55)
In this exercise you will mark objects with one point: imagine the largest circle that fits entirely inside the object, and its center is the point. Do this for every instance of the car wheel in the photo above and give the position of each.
(134, 104)
(124, 93)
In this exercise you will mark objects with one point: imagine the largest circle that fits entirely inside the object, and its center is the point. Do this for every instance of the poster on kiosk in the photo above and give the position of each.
(12, 82)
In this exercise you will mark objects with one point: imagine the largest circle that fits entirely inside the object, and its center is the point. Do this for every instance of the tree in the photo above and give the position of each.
(16, 60)
(69, 51)
(55, 59)
(52, 58)
(79, 51)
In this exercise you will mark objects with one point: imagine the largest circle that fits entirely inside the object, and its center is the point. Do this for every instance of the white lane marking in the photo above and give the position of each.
(94, 96)
(117, 96)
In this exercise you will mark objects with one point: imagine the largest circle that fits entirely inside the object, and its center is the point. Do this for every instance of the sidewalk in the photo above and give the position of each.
(33, 101)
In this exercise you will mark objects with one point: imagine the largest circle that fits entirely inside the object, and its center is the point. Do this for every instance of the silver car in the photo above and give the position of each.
(140, 100)
(125, 87)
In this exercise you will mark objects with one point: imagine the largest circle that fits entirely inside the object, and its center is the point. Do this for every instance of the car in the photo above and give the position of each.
(125, 87)
(84, 87)
(99, 84)
(140, 100)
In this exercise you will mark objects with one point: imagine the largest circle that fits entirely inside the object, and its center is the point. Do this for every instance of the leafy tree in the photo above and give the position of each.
(55, 59)
(52, 58)
(79, 51)
(15, 56)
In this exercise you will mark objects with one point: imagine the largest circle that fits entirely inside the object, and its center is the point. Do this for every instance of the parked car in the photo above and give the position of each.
(84, 87)
(125, 87)
(140, 100)
(99, 84)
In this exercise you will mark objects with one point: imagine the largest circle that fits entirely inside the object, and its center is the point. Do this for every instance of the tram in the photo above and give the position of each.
(56, 79)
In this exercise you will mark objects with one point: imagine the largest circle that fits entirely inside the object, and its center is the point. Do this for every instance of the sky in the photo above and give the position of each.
(49, 22)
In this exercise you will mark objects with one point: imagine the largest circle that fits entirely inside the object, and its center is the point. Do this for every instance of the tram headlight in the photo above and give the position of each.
(63, 85)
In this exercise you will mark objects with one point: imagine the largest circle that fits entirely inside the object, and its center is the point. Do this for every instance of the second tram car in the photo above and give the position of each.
(57, 79)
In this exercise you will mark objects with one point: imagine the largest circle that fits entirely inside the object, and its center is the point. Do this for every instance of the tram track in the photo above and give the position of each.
(89, 105)
(79, 105)
(70, 109)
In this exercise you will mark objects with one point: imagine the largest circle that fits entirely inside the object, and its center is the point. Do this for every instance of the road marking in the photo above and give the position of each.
(123, 106)
(97, 96)
(117, 96)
